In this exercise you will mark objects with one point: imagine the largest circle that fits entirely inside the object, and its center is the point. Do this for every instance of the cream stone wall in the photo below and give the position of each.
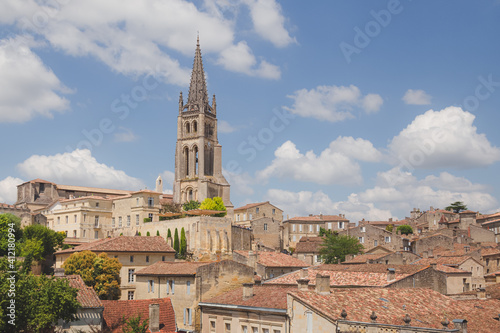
(455, 283)
(215, 320)
(298, 313)
(264, 210)
(136, 207)
(293, 230)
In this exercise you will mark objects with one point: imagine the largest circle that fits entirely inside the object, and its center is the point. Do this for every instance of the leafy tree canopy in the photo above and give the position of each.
(6, 222)
(39, 300)
(456, 207)
(50, 240)
(97, 271)
(324, 232)
(405, 229)
(389, 228)
(335, 248)
(214, 204)
(135, 325)
(193, 204)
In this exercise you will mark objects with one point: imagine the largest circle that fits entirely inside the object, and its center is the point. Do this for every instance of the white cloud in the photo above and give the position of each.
(225, 127)
(126, 135)
(168, 178)
(304, 203)
(8, 189)
(416, 97)
(136, 37)
(268, 22)
(77, 168)
(445, 138)
(240, 59)
(332, 103)
(400, 190)
(29, 88)
(334, 165)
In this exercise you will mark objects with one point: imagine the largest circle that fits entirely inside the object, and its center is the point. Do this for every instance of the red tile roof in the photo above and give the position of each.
(491, 222)
(164, 268)
(124, 244)
(425, 307)
(490, 251)
(264, 296)
(448, 261)
(275, 259)
(363, 258)
(115, 311)
(309, 244)
(87, 297)
(487, 216)
(318, 218)
(369, 275)
(251, 205)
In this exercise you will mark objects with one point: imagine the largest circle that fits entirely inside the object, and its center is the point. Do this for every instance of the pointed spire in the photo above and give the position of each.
(198, 88)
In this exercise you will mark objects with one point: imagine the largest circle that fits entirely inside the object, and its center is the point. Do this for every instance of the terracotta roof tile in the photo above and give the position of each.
(425, 307)
(309, 244)
(86, 296)
(490, 251)
(491, 222)
(487, 216)
(264, 296)
(124, 244)
(369, 275)
(318, 218)
(251, 205)
(115, 311)
(363, 258)
(275, 259)
(172, 268)
(448, 261)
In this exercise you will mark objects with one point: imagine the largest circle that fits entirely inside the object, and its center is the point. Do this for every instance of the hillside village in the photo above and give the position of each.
(255, 269)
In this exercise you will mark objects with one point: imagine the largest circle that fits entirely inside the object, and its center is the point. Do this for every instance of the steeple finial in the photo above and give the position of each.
(198, 95)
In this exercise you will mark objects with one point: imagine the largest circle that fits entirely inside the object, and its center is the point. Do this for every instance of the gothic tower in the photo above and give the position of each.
(198, 163)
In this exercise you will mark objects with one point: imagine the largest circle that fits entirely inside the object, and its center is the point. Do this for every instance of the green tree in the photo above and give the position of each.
(148, 234)
(139, 233)
(183, 244)
(214, 204)
(335, 248)
(50, 240)
(157, 232)
(6, 222)
(405, 229)
(176, 241)
(135, 325)
(169, 233)
(191, 205)
(323, 232)
(97, 271)
(456, 207)
(39, 302)
(389, 228)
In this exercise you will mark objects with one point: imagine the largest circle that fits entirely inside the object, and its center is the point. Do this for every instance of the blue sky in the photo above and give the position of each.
(366, 108)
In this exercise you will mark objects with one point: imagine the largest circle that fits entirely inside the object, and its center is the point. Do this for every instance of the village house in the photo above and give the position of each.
(372, 236)
(158, 312)
(296, 228)
(249, 212)
(490, 222)
(308, 250)
(266, 233)
(382, 257)
(433, 216)
(269, 264)
(188, 283)
(89, 316)
(490, 258)
(252, 308)
(134, 253)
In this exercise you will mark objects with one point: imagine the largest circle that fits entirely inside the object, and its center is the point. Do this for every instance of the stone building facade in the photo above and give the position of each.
(253, 211)
(198, 154)
(266, 233)
(370, 237)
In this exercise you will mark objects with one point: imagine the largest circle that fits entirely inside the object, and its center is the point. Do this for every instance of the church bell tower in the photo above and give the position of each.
(198, 162)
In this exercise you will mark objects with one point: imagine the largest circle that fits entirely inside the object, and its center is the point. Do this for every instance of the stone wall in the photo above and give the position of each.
(429, 243)
(241, 238)
(428, 278)
(267, 233)
(481, 235)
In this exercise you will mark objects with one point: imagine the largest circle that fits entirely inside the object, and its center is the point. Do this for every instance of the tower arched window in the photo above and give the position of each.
(195, 126)
(188, 128)
(196, 165)
(186, 161)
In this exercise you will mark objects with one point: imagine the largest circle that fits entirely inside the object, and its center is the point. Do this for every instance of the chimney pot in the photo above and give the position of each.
(247, 290)
(460, 324)
(391, 274)
(154, 317)
(303, 273)
(303, 284)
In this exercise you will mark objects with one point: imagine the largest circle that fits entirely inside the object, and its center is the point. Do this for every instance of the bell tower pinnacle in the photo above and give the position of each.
(198, 162)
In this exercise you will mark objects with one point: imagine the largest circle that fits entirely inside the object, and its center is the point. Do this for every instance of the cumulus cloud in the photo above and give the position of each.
(136, 37)
(29, 88)
(241, 183)
(8, 189)
(332, 103)
(225, 127)
(416, 97)
(445, 138)
(240, 59)
(168, 178)
(268, 22)
(304, 203)
(78, 167)
(334, 165)
(400, 190)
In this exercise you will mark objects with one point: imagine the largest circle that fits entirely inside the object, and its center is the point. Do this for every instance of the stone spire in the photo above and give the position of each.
(198, 88)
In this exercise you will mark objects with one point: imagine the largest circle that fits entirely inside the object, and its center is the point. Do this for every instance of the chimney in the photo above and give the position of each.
(322, 284)
(460, 324)
(252, 259)
(467, 248)
(434, 265)
(481, 293)
(303, 273)
(247, 290)
(425, 254)
(303, 284)
(391, 274)
(390, 219)
(154, 317)
(430, 253)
